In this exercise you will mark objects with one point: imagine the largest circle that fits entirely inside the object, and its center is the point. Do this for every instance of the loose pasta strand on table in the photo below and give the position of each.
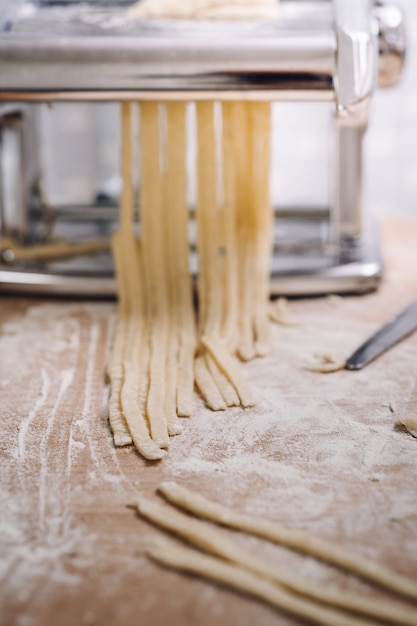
(212, 540)
(295, 539)
(167, 553)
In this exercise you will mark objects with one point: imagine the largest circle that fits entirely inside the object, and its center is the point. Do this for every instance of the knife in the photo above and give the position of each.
(400, 327)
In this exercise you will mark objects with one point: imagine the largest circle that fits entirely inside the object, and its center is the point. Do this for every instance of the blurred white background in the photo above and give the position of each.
(391, 144)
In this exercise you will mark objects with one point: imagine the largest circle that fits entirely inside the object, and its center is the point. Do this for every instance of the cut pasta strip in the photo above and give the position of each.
(180, 280)
(121, 435)
(158, 354)
(173, 194)
(230, 369)
(134, 367)
(229, 332)
(207, 386)
(126, 200)
(295, 539)
(326, 363)
(210, 215)
(210, 292)
(260, 116)
(151, 201)
(130, 425)
(245, 228)
(224, 386)
(115, 371)
(187, 560)
(212, 540)
(278, 313)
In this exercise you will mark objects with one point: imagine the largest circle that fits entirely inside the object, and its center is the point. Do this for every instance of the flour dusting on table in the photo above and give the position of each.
(317, 453)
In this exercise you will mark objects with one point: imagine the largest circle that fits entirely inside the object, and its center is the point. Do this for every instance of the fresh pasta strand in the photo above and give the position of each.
(210, 291)
(181, 286)
(158, 355)
(173, 194)
(226, 389)
(210, 276)
(211, 540)
(115, 370)
(131, 423)
(234, 245)
(167, 553)
(151, 202)
(260, 116)
(295, 539)
(245, 230)
(229, 330)
(117, 420)
(207, 386)
(230, 369)
(134, 367)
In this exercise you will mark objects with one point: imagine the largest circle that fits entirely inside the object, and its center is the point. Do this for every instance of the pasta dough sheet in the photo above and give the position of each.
(204, 9)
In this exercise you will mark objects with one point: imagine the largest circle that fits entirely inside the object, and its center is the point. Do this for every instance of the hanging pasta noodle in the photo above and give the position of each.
(151, 366)
(154, 363)
(164, 238)
(128, 366)
(210, 285)
(158, 353)
(234, 246)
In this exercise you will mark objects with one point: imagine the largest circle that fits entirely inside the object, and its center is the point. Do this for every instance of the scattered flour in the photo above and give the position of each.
(311, 454)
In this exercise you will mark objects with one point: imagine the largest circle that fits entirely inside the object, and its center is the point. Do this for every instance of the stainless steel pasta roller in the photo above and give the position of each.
(330, 54)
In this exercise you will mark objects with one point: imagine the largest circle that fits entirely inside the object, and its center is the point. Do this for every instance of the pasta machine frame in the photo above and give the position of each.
(330, 51)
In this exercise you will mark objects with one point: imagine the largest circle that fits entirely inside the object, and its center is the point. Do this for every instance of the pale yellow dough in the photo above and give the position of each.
(204, 9)
(236, 567)
(326, 363)
(159, 350)
(408, 424)
(297, 540)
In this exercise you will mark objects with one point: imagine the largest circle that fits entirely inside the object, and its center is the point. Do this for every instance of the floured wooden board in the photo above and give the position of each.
(319, 452)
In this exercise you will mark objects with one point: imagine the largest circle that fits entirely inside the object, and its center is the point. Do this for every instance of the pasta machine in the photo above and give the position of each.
(59, 53)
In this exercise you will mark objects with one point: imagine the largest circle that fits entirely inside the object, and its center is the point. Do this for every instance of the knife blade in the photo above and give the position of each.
(397, 329)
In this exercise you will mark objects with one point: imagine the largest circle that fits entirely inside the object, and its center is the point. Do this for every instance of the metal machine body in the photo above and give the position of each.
(332, 51)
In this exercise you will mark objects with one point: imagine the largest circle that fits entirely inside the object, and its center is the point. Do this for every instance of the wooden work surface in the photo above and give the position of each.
(318, 452)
